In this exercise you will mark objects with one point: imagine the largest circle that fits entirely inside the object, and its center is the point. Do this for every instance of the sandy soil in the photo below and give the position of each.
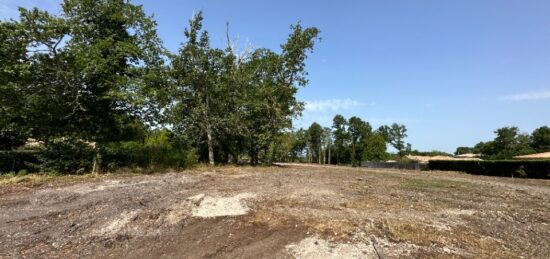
(290, 211)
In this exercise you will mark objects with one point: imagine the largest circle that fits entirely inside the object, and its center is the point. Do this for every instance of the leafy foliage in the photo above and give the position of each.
(509, 142)
(161, 148)
(375, 148)
(66, 156)
(541, 139)
(237, 103)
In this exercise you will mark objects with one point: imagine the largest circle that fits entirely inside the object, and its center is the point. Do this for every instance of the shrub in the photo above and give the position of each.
(69, 156)
(510, 168)
(160, 149)
(15, 161)
(66, 156)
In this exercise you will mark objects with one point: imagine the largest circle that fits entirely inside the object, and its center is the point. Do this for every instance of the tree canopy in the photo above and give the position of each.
(98, 72)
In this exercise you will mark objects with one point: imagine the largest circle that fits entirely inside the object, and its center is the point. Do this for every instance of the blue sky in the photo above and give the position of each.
(451, 71)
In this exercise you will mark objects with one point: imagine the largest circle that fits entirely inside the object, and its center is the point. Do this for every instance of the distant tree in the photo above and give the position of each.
(507, 144)
(523, 145)
(327, 143)
(384, 131)
(464, 150)
(397, 133)
(484, 148)
(341, 137)
(540, 139)
(315, 134)
(505, 140)
(375, 148)
(358, 131)
(429, 153)
(283, 145)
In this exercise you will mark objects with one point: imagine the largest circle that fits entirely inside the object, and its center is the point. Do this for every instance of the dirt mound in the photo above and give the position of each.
(210, 207)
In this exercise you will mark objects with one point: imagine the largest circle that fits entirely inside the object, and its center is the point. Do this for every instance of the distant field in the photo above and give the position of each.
(292, 210)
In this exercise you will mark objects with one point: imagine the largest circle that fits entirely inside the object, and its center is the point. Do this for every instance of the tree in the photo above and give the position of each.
(14, 73)
(89, 66)
(327, 143)
(464, 150)
(397, 133)
(540, 139)
(375, 148)
(270, 83)
(197, 71)
(505, 139)
(484, 148)
(507, 144)
(243, 101)
(358, 130)
(384, 131)
(315, 134)
(523, 145)
(300, 142)
(341, 137)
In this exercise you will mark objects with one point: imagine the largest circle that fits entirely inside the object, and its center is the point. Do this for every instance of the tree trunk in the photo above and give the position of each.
(329, 153)
(353, 156)
(96, 166)
(320, 154)
(210, 145)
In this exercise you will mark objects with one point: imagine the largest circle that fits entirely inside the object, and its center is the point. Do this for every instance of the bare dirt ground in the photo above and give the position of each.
(292, 211)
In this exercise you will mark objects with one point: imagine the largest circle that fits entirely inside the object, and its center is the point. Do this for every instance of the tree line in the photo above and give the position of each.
(510, 142)
(98, 73)
(347, 141)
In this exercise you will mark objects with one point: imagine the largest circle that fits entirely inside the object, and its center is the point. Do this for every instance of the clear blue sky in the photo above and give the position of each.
(451, 71)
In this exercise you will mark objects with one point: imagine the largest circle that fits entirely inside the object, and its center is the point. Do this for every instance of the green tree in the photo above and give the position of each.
(484, 148)
(358, 130)
(375, 148)
(197, 71)
(464, 150)
(540, 139)
(397, 133)
(14, 72)
(505, 140)
(271, 82)
(341, 137)
(523, 145)
(82, 73)
(241, 101)
(384, 131)
(315, 133)
(300, 142)
(327, 144)
(507, 144)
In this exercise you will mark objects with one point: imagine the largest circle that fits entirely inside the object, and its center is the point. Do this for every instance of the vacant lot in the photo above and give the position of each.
(278, 212)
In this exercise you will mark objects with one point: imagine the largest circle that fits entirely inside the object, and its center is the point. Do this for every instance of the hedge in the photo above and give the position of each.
(539, 169)
(15, 161)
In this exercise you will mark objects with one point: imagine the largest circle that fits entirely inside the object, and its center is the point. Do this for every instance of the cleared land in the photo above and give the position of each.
(278, 212)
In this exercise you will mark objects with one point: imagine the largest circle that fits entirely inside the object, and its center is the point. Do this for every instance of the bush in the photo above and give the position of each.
(509, 168)
(15, 161)
(66, 156)
(159, 150)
